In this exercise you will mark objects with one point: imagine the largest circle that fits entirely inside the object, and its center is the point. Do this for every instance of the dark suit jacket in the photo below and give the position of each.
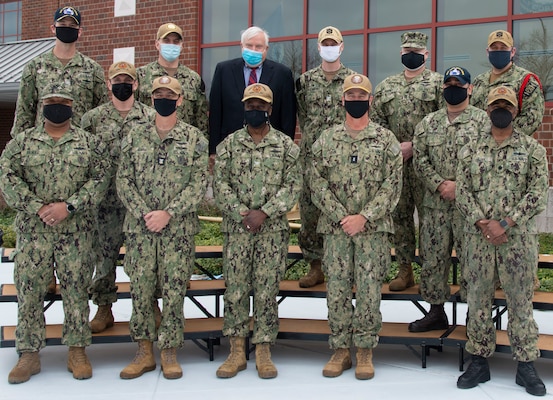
(226, 110)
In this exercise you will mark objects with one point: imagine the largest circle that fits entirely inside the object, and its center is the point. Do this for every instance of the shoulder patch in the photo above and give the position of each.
(294, 152)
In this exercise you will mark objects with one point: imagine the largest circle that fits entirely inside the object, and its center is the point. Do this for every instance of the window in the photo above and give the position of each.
(10, 21)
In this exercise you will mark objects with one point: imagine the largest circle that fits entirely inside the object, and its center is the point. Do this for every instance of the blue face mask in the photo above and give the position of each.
(252, 58)
(169, 52)
(500, 58)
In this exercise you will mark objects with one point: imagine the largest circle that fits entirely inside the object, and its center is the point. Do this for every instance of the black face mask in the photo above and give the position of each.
(256, 118)
(67, 34)
(501, 118)
(57, 113)
(455, 95)
(357, 108)
(122, 91)
(412, 60)
(165, 107)
(499, 59)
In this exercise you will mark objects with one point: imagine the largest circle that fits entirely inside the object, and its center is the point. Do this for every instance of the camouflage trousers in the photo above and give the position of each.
(311, 242)
(404, 239)
(440, 232)
(253, 263)
(514, 263)
(108, 245)
(152, 260)
(361, 261)
(71, 254)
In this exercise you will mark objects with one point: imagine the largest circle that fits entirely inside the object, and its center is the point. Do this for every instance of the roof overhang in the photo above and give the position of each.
(13, 57)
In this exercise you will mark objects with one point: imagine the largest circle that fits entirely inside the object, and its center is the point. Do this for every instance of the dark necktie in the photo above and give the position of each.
(253, 77)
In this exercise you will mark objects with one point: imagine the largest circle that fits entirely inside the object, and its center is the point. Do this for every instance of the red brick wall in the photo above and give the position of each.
(545, 137)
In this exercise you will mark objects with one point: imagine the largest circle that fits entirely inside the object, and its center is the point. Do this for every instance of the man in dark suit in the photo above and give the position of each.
(226, 110)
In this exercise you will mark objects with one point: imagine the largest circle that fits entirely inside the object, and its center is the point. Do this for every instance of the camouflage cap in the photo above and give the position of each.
(416, 40)
(357, 81)
(121, 67)
(459, 73)
(258, 91)
(67, 11)
(57, 89)
(330, 32)
(501, 36)
(167, 82)
(167, 29)
(503, 93)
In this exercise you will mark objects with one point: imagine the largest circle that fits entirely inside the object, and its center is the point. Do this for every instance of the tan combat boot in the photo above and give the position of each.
(365, 368)
(236, 361)
(404, 278)
(143, 361)
(169, 364)
(52, 285)
(27, 366)
(78, 363)
(157, 314)
(338, 363)
(265, 367)
(314, 276)
(102, 320)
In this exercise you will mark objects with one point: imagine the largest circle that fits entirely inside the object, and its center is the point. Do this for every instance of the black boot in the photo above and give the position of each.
(477, 372)
(528, 377)
(435, 319)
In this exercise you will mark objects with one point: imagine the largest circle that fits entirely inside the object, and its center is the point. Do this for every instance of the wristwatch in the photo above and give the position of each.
(70, 208)
(504, 224)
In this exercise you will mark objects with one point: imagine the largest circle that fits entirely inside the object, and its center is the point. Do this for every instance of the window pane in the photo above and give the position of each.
(384, 55)
(223, 22)
(389, 13)
(450, 10)
(288, 53)
(282, 18)
(210, 59)
(535, 50)
(469, 53)
(323, 13)
(532, 6)
(10, 24)
(12, 6)
(352, 56)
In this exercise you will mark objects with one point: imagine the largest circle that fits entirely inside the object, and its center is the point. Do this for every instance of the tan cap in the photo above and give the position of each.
(168, 28)
(416, 40)
(57, 89)
(167, 82)
(503, 93)
(121, 67)
(258, 91)
(330, 32)
(357, 81)
(501, 36)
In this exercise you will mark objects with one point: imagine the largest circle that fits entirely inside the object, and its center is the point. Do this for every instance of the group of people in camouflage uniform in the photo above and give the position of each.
(86, 173)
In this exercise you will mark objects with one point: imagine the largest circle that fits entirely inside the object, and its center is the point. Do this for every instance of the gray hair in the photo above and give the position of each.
(253, 31)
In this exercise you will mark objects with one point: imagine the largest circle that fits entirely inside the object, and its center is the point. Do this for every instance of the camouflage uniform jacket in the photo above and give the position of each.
(106, 123)
(399, 105)
(533, 103)
(436, 145)
(193, 110)
(498, 181)
(167, 174)
(262, 177)
(83, 75)
(319, 103)
(356, 176)
(36, 170)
